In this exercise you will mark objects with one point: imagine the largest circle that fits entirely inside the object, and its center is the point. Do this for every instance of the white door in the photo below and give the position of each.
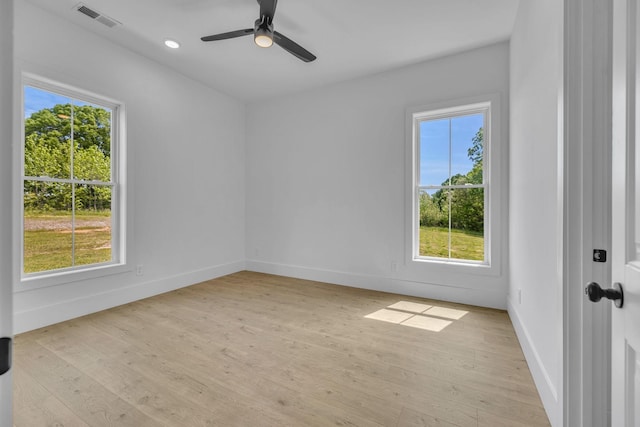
(625, 322)
(6, 123)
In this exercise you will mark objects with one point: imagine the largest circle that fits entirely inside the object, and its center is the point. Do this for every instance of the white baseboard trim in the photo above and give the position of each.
(484, 298)
(546, 389)
(28, 320)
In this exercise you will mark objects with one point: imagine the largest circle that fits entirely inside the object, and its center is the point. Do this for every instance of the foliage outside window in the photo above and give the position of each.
(69, 180)
(451, 189)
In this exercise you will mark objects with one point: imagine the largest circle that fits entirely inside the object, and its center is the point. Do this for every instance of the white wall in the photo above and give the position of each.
(535, 210)
(326, 179)
(186, 161)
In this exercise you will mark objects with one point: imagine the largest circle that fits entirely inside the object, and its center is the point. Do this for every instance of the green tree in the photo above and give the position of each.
(431, 215)
(475, 153)
(48, 154)
(91, 125)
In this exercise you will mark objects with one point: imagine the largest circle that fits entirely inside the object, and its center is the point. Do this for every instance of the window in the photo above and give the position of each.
(451, 219)
(71, 182)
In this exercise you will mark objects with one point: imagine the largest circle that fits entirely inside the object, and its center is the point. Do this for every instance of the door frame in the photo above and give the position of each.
(585, 152)
(6, 192)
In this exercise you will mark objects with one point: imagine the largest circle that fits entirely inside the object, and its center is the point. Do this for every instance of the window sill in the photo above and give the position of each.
(29, 283)
(453, 261)
(446, 266)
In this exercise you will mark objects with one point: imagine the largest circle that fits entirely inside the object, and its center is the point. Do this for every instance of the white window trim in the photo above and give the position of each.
(485, 110)
(495, 192)
(120, 237)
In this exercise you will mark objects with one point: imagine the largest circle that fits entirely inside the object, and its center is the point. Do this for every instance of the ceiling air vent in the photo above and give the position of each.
(97, 16)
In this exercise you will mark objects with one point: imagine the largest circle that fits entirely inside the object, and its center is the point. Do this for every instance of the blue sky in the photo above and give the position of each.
(37, 99)
(435, 137)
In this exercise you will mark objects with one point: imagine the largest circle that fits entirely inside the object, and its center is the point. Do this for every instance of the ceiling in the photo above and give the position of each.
(351, 38)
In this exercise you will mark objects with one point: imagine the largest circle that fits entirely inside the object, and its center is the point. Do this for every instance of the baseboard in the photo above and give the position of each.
(546, 389)
(28, 320)
(484, 298)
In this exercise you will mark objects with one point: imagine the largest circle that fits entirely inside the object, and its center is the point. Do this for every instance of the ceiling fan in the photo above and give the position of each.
(264, 35)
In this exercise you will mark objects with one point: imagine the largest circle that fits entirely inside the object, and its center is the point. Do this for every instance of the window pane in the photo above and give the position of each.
(434, 242)
(466, 149)
(434, 152)
(434, 208)
(467, 223)
(92, 142)
(48, 237)
(92, 224)
(47, 134)
(434, 224)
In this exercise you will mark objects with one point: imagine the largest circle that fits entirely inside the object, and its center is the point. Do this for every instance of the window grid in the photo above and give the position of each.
(75, 99)
(450, 114)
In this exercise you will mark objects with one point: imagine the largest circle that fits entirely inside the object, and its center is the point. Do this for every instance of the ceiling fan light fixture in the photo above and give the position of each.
(263, 33)
(171, 44)
(263, 40)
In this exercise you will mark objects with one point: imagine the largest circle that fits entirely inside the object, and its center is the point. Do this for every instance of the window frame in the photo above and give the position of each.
(451, 113)
(494, 194)
(118, 184)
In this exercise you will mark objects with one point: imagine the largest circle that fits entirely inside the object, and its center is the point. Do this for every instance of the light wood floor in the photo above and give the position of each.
(257, 350)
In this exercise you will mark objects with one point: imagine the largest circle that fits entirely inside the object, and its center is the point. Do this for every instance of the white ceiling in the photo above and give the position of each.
(351, 38)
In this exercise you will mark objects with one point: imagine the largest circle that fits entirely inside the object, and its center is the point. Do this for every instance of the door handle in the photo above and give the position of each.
(5, 355)
(595, 293)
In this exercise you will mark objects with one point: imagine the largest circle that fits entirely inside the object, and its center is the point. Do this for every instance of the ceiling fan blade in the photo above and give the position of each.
(267, 7)
(229, 35)
(292, 47)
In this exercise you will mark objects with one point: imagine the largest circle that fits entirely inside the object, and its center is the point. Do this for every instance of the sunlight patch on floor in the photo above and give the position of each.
(416, 315)
(447, 313)
(391, 316)
(413, 307)
(426, 322)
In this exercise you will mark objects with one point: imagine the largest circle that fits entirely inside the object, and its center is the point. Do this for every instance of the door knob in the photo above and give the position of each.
(595, 293)
(5, 355)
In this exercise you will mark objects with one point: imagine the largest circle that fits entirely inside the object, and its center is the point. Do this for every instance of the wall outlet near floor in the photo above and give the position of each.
(394, 266)
(139, 271)
(519, 296)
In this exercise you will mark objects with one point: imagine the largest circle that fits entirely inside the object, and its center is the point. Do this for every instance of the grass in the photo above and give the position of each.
(48, 240)
(86, 215)
(434, 242)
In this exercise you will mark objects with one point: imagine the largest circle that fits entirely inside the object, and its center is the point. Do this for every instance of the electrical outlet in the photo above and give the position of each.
(519, 296)
(139, 271)
(394, 266)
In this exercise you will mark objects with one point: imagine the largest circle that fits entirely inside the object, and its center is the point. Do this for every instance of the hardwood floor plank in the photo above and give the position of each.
(89, 400)
(36, 406)
(192, 385)
(255, 349)
(412, 418)
(155, 400)
(491, 420)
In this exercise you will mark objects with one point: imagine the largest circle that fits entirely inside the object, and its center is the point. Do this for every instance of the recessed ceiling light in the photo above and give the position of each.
(171, 43)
